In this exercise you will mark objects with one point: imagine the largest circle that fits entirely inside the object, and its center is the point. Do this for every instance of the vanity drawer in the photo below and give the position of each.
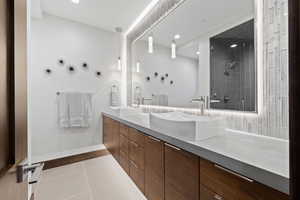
(137, 175)
(137, 154)
(124, 144)
(206, 194)
(124, 130)
(137, 137)
(124, 162)
(233, 186)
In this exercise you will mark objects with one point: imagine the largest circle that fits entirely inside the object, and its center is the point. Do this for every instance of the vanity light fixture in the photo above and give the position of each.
(173, 49)
(177, 37)
(119, 64)
(138, 67)
(233, 46)
(75, 1)
(150, 44)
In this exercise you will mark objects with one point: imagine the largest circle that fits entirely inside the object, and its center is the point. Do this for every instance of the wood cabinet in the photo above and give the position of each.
(124, 148)
(116, 140)
(181, 174)
(154, 169)
(232, 186)
(137, 158)
(206, 194)
(164, 172)
(107, 133)
(111, 136)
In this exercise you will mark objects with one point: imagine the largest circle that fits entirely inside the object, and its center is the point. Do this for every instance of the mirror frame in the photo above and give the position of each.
(152, 23)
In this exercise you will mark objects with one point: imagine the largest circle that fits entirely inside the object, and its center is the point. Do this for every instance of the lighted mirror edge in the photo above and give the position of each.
(196, 110)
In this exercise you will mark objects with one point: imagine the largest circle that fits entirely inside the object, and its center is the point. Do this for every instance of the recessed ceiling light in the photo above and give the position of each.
(75, 1)
(177, 36)
(233, 45)
(198, 52)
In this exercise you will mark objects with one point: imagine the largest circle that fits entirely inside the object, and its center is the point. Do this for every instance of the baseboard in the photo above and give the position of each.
(75, 158)
(54, 156)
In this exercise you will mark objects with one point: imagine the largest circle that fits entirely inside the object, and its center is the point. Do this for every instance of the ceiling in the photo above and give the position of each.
(197, 18)
(104, 14)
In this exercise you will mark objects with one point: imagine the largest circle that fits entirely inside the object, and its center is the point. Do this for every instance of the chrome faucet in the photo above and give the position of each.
(202, 103)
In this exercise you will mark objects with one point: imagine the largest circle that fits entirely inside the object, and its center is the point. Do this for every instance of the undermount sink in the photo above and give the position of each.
(186, 126)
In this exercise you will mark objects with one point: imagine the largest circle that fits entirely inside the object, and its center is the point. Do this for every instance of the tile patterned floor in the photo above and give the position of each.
(96, 179)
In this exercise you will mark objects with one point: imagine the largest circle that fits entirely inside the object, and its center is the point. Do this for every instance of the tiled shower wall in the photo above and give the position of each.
(273, 119)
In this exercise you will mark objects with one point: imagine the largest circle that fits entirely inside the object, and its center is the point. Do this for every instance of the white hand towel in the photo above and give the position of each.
(63, 110)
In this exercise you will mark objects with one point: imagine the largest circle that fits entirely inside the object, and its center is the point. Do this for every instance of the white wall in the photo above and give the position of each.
(53, 38)
(182, 70)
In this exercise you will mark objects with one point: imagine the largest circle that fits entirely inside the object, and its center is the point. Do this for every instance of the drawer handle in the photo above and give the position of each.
(134, 143)
(134, 164)
(218, 197)
(233, 173)
(152, 138)
(173, 147)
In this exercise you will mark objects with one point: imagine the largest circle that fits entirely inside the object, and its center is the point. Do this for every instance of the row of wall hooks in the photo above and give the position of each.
(71, 68)
(162, 78)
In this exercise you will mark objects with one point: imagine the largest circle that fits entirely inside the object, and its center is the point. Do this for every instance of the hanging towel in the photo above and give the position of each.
(75, 110)
(114, 97)
(63, 110)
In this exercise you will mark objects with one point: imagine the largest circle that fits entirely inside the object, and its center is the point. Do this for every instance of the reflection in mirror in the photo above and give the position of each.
(232, 69)
(208, 50)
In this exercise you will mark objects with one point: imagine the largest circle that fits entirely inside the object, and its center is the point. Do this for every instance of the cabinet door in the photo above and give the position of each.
(154, 169)
(181, 174)
(124, 145)
(107, 133)
(116, 140)
(124, 162)
(137, 154)
(137, 175)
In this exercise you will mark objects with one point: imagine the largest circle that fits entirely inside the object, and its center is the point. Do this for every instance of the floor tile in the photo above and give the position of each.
(96, 179)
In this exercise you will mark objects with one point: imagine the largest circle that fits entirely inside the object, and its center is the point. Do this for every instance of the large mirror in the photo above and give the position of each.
(204, 51)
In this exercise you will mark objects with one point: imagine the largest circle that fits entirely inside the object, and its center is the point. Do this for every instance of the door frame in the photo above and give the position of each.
(294, 97)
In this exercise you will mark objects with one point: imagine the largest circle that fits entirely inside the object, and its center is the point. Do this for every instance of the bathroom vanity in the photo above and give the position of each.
(172, 168)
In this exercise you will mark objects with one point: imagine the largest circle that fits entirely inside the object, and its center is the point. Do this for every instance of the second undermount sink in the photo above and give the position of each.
(186, 126)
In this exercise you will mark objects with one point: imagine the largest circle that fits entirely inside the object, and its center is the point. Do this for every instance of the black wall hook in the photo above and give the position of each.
(71, 69)
(48, 71)
(85, 65)
(61, 62)
(98, 73)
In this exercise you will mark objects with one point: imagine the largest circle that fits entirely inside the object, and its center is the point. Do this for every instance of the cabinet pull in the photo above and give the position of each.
(152, 138)
(134, 164)
(233, 173)
(217, 197)
(134, 143)
(173, 147)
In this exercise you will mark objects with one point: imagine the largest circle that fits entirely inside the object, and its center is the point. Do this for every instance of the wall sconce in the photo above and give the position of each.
(173, 49)
(138, 67)
(119, 64)
(150, 43)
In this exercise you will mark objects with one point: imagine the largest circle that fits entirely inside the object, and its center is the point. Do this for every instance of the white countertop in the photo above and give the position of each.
(261, 158)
